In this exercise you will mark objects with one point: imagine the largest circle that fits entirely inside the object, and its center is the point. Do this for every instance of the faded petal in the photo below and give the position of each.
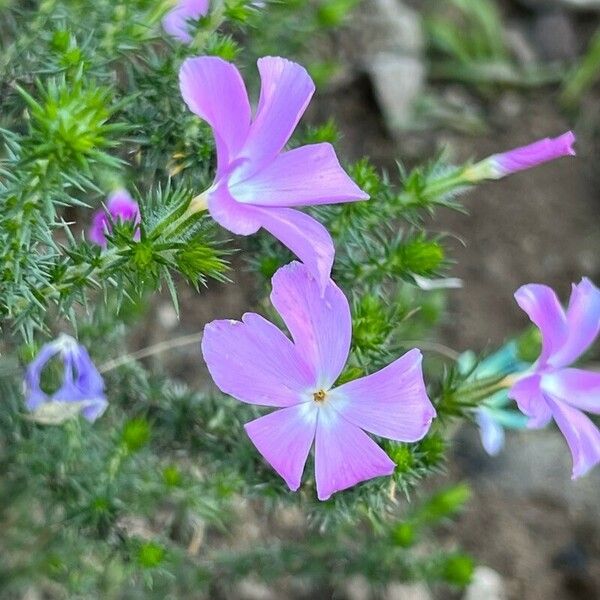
(579, 388)
(583, 323)
(304, 236)
(82, 386)
(230, 214)
(175, 22)
(304, 176)
(214, 90)
(528, 395)
(253, 361)
(491, 432)
(319, 320)
(284, 439)
(345, 455)
(34, 395)
(543, 308)
(82, 383)
(286, 90)
(391, 403)
(583, 437)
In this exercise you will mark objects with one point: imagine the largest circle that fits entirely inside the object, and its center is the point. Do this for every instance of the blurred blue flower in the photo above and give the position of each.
(81, 390)
(495, 415)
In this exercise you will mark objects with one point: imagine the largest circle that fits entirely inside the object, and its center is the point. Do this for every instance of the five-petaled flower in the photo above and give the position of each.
(121, 207)
(81, 389)
(255, 362)
(552, 390)
(177, 21)
(256, 183)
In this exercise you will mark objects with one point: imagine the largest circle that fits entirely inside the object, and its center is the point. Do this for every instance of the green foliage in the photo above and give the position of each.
(583, 75)
(122, 508)
(466, 38)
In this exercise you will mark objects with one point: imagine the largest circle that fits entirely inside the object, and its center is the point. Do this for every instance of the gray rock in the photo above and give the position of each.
(387, 43)
(487, 584)
(249, 589)
(388, 26)
(356, 588)
(397, 83)
(544, 5)
(555, 36)
(404, 591)
(581, 4)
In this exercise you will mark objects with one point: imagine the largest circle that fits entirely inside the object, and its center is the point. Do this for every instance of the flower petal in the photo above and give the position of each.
(583, 323)
(543, 308)
(284, 439)
(82, 383)
(214, 90)
(579, 388)
(304, 176)
(528, 395)
(234, 216)
(345, 455)
(583, 437)
(305, 237)
(286, 90)
(175, 22)
(121, 206)
(34, 395)
(253, 361)
(391, 403)
(320, 323)
(533, 155)
(491, 432)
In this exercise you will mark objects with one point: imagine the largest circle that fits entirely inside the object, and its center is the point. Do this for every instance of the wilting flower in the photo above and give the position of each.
(253, 361)
(177, 21)
(121, 207)
(495, 414)
(81, 389)
(552, 390)
(525, 157)
(256, 183)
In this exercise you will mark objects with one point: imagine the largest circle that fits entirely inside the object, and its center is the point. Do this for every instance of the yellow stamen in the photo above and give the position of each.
(319, 396)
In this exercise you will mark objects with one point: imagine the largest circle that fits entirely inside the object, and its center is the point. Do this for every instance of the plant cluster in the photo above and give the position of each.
(119, 481)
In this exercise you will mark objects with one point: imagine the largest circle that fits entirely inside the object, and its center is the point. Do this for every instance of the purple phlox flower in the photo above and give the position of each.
(496, 413)
(257, 183)
(553, 390)
(255, 362)
(81, 390)
(531, 155)
(121, 207)
(177, 21)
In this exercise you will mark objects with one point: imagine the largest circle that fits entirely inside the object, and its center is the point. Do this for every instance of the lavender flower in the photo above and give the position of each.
(82, 388)
(531, 155)
(552, 390)
(495, 414)
(256, 183)
(121, 207)
(255, 362)
(176, 22)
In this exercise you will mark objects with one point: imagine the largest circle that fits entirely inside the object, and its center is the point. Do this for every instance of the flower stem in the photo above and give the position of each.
(185, 340)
